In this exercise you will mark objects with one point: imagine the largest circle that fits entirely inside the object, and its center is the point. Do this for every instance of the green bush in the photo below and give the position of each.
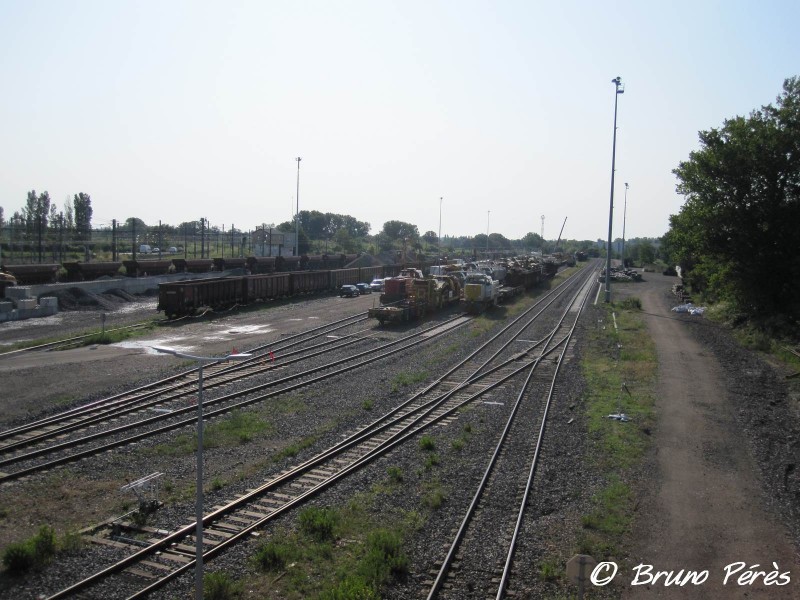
(37, 551)
(318, 523)
(426, 443)
(220, 586)
(384, 558)
(274, 555)
(19, 558)
(395, 474)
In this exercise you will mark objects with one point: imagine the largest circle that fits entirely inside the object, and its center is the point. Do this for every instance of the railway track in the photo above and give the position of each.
(170, 404)
(497, 363)
(479, 561)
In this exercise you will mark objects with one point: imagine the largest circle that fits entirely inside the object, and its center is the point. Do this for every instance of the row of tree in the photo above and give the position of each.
(738, 234)
(40, 215)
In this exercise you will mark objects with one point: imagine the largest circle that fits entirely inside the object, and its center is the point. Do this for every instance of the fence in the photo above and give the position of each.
(18, 246)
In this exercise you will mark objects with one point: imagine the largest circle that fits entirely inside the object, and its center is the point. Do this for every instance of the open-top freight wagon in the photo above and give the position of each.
(181, 298)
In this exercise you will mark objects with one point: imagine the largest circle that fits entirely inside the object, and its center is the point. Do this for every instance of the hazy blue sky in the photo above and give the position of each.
(178, 110)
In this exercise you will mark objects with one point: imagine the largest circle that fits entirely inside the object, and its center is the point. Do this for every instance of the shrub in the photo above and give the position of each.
(19, 558)
(318, 523)
(274, 555)
(395, 474)
(220, 586)
(384, 558)
(426, 443)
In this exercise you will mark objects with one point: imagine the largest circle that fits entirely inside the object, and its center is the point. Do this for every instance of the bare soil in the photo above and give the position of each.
(708, 503)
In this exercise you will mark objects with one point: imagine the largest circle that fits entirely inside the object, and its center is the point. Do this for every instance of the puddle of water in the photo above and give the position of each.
(147, 345)
(248, 330)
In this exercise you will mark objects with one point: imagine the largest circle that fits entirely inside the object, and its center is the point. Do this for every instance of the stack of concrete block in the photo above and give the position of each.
(26, 306)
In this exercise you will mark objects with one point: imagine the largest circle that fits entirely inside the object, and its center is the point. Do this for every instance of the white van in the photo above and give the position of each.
(145, 249)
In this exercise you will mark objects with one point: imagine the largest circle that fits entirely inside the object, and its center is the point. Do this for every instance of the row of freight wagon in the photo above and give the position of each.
(181, 298)
(72, 271)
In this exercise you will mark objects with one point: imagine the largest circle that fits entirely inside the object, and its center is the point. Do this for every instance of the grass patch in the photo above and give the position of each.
(221, 586)
(619, 367)
(335, 554)
(294, 449)
(403, 380)
(235, 429)
(367, 404)
(433, 495)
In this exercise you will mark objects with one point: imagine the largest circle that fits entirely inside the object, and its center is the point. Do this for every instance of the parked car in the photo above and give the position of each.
(348, 291)
(363, 288)
(156, 250)
(376, 285)
(173, 250)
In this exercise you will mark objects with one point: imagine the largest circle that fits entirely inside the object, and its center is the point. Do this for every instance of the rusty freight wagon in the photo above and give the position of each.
(181, 298)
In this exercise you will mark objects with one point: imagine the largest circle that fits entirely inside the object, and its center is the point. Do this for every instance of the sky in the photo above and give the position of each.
(457, 116)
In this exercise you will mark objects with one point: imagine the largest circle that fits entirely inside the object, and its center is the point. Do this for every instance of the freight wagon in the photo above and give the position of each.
(180, 298)
(81, 271)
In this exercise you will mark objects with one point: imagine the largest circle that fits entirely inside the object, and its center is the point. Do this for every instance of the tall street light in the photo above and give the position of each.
(297, 212)
(488, 212)
(201, 361)
(440, 229)
(617, 81)
(624, 217)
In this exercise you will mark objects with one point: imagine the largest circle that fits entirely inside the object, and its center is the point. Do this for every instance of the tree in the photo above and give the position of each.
(83, 217)
(399, 230)
(737, 234)
(533, 240)
(430, 237)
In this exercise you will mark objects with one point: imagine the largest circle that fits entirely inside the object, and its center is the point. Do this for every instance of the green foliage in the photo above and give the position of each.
(274, 555)
(550, 570)
(632, 303)
(407, 379)
(395, 474)
(221, 586)
(426, 443)
(318, 523)
(431, 461)
(20, 557)
(367, 404)
(742, 209)
(351, 587)
(383, 559)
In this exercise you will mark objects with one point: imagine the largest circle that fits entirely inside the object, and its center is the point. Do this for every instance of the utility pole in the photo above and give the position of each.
(617, 81)
(297, 212)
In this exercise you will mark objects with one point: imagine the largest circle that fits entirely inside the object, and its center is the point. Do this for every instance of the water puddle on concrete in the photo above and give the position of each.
(179, 344)
(238, 332)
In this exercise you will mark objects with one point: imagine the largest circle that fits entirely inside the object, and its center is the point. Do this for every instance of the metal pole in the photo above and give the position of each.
(297, 212)
(617, 82)
(488, 212)
(440, 228)
(198, 567)
(624, 218)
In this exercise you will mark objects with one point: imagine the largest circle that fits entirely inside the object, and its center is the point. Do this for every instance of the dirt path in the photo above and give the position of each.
(706, 507)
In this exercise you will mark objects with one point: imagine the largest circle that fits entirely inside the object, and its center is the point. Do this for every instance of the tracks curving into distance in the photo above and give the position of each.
(479, 560)
(498, 362)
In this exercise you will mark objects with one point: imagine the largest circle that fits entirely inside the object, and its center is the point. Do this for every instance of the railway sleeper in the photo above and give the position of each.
(175, 557)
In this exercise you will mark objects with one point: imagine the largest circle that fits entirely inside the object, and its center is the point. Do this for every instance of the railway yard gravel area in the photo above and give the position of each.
(317, 416)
